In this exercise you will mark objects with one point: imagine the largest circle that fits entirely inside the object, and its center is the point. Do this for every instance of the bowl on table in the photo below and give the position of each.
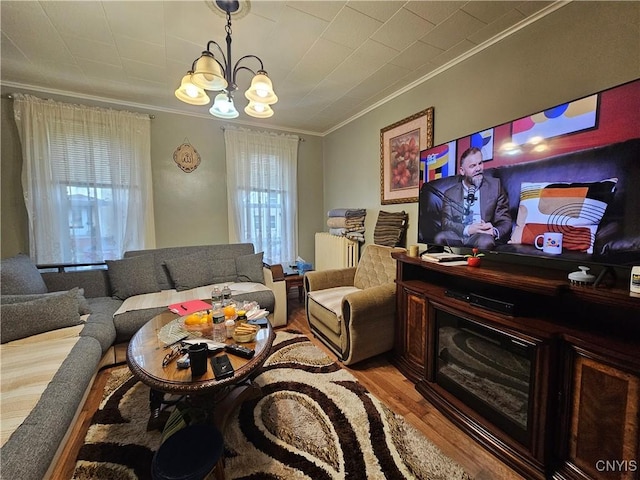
(244, 333)
(198, 322)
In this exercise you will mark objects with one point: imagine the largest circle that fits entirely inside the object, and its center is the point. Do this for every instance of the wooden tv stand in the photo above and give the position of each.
(584, 398)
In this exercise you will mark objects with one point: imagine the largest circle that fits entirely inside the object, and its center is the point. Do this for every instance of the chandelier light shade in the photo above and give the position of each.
(223, 107)
(190, 93)
(258, 110)
(261, 89)
(208, 73)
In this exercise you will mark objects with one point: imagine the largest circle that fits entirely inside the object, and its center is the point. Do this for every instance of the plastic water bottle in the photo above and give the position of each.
(226, 295)
(219, 330)
(216, 296)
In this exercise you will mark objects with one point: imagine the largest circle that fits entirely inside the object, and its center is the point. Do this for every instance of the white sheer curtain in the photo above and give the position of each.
(86, 178)
(262, 191)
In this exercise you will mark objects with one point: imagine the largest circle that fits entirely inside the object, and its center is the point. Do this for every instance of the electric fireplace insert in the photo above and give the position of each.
(489, 370)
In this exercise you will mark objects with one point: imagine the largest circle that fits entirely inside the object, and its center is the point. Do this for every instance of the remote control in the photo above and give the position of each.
(240, 351)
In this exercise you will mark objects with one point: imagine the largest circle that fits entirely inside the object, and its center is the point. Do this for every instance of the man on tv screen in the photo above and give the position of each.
(475, 211)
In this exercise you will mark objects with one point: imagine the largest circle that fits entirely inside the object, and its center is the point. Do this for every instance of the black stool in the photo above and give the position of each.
(189, 454)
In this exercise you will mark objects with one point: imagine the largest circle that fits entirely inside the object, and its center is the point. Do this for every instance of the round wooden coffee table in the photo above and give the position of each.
(146, 352)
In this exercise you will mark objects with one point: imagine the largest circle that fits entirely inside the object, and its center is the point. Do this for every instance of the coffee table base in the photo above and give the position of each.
(216, 406)
(158, 409)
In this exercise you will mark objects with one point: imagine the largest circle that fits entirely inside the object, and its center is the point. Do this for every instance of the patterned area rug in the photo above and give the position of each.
(314, 421)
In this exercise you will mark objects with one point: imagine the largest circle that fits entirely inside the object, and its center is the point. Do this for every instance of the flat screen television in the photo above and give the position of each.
(572, 169)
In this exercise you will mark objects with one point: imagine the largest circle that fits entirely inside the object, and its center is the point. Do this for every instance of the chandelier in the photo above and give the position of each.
(208, 73)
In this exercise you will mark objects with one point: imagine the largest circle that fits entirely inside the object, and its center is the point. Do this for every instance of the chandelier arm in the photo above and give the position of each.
(237, 65)
(238, 68)
(213, 42)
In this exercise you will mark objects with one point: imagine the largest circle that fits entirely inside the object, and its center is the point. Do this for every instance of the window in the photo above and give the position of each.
(86, 180)
(262, 192)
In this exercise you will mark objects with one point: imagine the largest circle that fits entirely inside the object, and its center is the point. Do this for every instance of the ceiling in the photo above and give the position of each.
(330, 61)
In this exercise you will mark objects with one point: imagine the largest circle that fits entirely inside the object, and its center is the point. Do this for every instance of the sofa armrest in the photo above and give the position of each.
(274, 279)
(339, 277)
(367, 302)
(277, 270)
(369, 322)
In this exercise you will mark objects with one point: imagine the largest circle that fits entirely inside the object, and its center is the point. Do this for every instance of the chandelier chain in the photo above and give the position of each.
(228, 27)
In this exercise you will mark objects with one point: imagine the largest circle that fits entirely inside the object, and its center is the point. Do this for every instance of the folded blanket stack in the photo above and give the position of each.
(390, 228)
(347, 222)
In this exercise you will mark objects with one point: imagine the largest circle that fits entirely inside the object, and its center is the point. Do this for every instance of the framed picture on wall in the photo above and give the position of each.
(400, 147)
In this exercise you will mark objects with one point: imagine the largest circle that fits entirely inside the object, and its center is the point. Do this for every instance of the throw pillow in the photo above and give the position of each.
(390, 228)
(132, 276)
(83, 305)
(224, 270)
(249, 268)
(190, 271)
(573, 209)
(21, 320)
(19, 276)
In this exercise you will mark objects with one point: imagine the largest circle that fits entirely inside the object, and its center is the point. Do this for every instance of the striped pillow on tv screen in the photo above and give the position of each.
(573, 209)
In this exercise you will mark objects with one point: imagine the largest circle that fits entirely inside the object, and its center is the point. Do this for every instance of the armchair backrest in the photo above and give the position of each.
(376, 266)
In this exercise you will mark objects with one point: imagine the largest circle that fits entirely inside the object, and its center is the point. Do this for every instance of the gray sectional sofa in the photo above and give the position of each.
(46, 328)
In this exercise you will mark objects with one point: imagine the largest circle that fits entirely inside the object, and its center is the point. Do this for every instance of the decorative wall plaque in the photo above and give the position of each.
(186, 157)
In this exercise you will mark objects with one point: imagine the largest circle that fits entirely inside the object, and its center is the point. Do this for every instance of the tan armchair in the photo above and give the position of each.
(352, 310)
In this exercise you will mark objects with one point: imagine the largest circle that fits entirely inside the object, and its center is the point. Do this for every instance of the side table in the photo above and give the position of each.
(293, 278)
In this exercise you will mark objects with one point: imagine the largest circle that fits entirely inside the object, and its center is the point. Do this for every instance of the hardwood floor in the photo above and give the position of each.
(381, 379)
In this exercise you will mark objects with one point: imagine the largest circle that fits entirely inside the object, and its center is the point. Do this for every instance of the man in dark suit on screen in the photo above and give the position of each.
(475, 211)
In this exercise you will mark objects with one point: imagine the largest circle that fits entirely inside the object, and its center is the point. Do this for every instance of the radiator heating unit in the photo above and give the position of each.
(335, 251)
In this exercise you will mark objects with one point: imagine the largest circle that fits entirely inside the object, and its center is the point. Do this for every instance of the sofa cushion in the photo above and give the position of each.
(20, 320)
(83, 305)
(94, 282)
(132, 276)
(326, 321)
(225, 253)
(128, 323)
(331, 299)
(249, 268)
(573, 209)
(202, 268)
(190, 271)
(19, 276)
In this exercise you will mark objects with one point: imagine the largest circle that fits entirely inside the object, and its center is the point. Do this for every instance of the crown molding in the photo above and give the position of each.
(474, 51)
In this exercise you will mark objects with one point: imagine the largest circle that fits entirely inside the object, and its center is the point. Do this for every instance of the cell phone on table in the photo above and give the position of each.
(221, 367)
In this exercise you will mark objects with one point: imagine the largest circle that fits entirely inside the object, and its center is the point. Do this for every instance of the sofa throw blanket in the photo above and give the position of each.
(165, 298)
(28, 365)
